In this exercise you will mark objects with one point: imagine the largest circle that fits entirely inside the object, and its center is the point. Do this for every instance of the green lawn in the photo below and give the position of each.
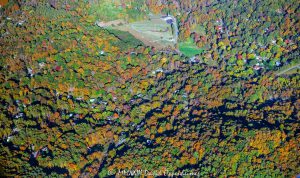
(189, 48)
(154, 30)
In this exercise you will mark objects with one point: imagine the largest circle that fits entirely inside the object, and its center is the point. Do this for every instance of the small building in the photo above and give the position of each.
(219, 28)
(278, 63)
(256, 67)
(167, 19)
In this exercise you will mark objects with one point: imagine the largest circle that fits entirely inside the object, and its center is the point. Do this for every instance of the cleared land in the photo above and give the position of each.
(189, 48)
(155, 32)
(152, 32)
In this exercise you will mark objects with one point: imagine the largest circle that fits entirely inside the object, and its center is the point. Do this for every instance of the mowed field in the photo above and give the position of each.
(152, 32)
(189, 48)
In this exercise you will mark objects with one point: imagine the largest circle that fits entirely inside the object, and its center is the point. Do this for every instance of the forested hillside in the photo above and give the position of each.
(82, 100)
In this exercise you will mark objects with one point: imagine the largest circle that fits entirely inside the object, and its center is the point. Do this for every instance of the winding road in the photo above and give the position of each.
(288, 69)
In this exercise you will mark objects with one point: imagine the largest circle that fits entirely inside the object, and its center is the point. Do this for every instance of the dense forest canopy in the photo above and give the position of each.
(84, 93)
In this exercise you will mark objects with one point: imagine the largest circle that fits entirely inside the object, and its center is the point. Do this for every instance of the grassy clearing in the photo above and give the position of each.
(152, 32)
(200, 29)
(107, 11)
(189, 48)
(155, 30)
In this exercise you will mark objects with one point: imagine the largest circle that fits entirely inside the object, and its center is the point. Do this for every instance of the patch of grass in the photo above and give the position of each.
(189, 48)
(152, 31)
(106, 11)
(199, 29)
